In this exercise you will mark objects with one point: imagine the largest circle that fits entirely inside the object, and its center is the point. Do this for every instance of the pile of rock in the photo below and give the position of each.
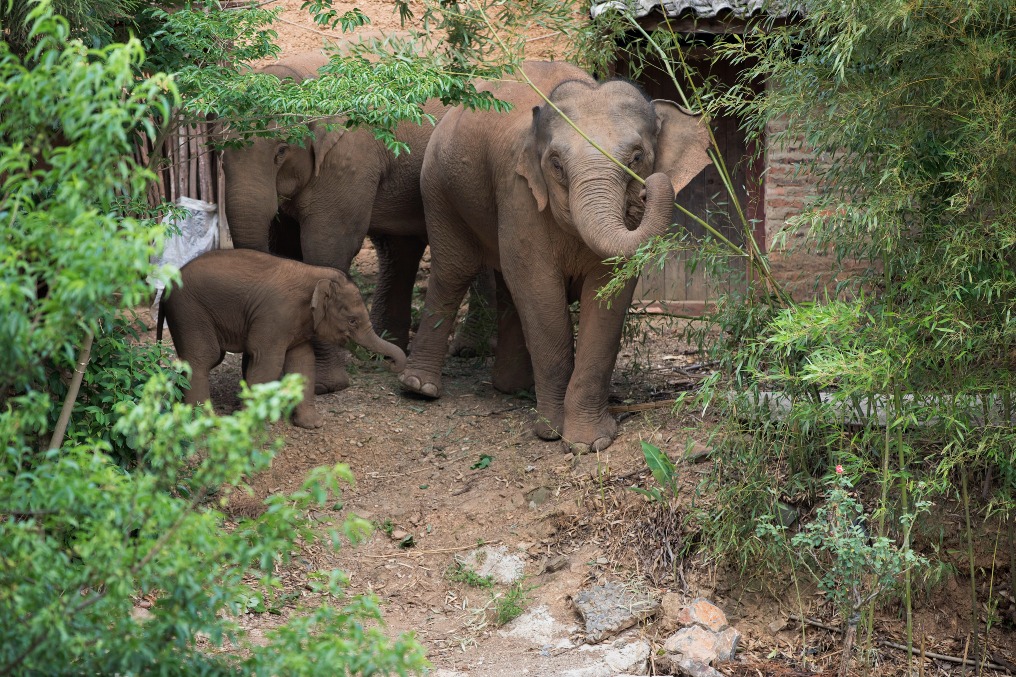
(704, 637)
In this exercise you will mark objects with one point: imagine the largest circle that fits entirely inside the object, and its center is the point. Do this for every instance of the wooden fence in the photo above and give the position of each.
(187, 166)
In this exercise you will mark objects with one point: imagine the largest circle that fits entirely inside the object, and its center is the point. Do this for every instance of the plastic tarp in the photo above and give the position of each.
(199, 233)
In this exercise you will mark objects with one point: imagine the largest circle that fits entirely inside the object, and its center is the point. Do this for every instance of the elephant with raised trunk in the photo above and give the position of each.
(271, 309)
(526, 194)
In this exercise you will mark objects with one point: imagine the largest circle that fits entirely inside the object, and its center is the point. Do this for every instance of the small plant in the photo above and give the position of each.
(851, 566)
(510, 604)
(483, 462)
(459, 573)
(664, 472)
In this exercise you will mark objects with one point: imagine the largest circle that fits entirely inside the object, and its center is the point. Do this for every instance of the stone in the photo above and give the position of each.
(726, 644)
(777, 625)
(694, 642)
(702, 612)
(611, 608)
(693, 668)
(539, 626)
(786, 514)
(670, 606)
(494, 561)
(537, 497)
(696, 453)
(628, 659)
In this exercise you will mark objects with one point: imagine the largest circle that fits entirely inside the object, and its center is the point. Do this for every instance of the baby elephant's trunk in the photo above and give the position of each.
(374, 343)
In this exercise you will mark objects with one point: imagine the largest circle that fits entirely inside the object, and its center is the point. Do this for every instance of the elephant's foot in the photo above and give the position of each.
(332, 384)
(420, 382)
(548, 426)
(470, 347)
(545, 430)
(585, 437)
(308, 418)
(512, 373)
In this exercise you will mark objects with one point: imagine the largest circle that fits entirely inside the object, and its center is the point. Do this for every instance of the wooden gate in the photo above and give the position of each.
(678, 282)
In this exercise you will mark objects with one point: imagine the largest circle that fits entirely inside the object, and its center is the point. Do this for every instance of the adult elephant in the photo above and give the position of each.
(317, 203)
(524, 193)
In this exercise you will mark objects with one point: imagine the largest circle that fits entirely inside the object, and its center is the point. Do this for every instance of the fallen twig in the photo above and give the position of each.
(903, 647)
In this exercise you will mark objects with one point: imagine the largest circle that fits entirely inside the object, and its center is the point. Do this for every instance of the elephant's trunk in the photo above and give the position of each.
(598, 208)
(374, 343)
(251, 202)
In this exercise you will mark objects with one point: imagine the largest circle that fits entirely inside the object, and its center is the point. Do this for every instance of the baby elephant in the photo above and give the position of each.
(241, 300)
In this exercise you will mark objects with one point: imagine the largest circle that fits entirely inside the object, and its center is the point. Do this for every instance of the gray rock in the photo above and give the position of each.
(692, 668)
(726, 644)
(494, 561)
(610, 608)
(628, 659)
(537, 497)
(694, 642)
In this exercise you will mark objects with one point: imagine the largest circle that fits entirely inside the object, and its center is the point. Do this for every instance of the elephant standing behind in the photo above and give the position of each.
(524, 193)
(317, 204)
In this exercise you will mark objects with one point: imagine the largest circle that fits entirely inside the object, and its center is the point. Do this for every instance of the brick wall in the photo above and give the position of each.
(788, 190)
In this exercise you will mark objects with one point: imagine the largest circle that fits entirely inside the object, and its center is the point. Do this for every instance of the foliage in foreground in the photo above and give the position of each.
(902, 375)
(126, 506)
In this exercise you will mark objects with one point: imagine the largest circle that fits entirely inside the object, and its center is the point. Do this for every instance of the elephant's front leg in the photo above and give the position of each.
(300, 360)
(588, 425)
(541, 299)
(452, 269)
(326, 242)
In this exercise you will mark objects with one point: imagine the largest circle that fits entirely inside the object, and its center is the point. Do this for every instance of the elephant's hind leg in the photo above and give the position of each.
(513, 366)
(391, 307)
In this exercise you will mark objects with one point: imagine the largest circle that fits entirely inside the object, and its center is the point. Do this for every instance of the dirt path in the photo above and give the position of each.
(419, 470)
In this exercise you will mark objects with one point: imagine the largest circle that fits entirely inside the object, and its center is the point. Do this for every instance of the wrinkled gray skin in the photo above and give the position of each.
(317, 203)
(525, 194)
(270, 309)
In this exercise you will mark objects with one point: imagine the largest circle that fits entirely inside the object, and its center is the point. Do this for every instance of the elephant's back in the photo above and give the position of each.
(299, 67)
(477, 146)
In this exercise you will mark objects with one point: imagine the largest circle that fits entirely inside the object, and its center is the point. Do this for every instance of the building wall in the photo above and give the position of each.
(789, 189)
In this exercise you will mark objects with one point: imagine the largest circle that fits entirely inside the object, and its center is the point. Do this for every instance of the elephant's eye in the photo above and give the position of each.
(636, 158)
(280, 153)
(555, 162)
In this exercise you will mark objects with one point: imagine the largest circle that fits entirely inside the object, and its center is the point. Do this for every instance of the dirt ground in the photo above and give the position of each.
(419, 473)
(571, 519)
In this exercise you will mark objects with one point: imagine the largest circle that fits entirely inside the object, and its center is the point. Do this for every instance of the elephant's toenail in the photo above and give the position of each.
(429, 389)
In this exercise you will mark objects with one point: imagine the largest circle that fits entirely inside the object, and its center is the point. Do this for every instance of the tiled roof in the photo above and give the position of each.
(702, 9)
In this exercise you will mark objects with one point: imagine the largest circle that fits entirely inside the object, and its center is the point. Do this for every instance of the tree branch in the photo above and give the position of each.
(72, 393)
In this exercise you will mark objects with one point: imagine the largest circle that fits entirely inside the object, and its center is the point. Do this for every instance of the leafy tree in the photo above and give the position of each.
(82, 536)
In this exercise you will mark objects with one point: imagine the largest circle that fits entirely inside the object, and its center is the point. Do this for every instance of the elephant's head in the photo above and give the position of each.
(263, 176)
(339, 315)
(590, 195)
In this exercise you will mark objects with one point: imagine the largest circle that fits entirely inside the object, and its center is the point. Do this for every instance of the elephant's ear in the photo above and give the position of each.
(319, 301)
(324, 141)
(529, 164)
(682, 143)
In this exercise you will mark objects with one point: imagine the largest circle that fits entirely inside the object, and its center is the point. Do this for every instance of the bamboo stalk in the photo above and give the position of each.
(192, 167)
(205, 165)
